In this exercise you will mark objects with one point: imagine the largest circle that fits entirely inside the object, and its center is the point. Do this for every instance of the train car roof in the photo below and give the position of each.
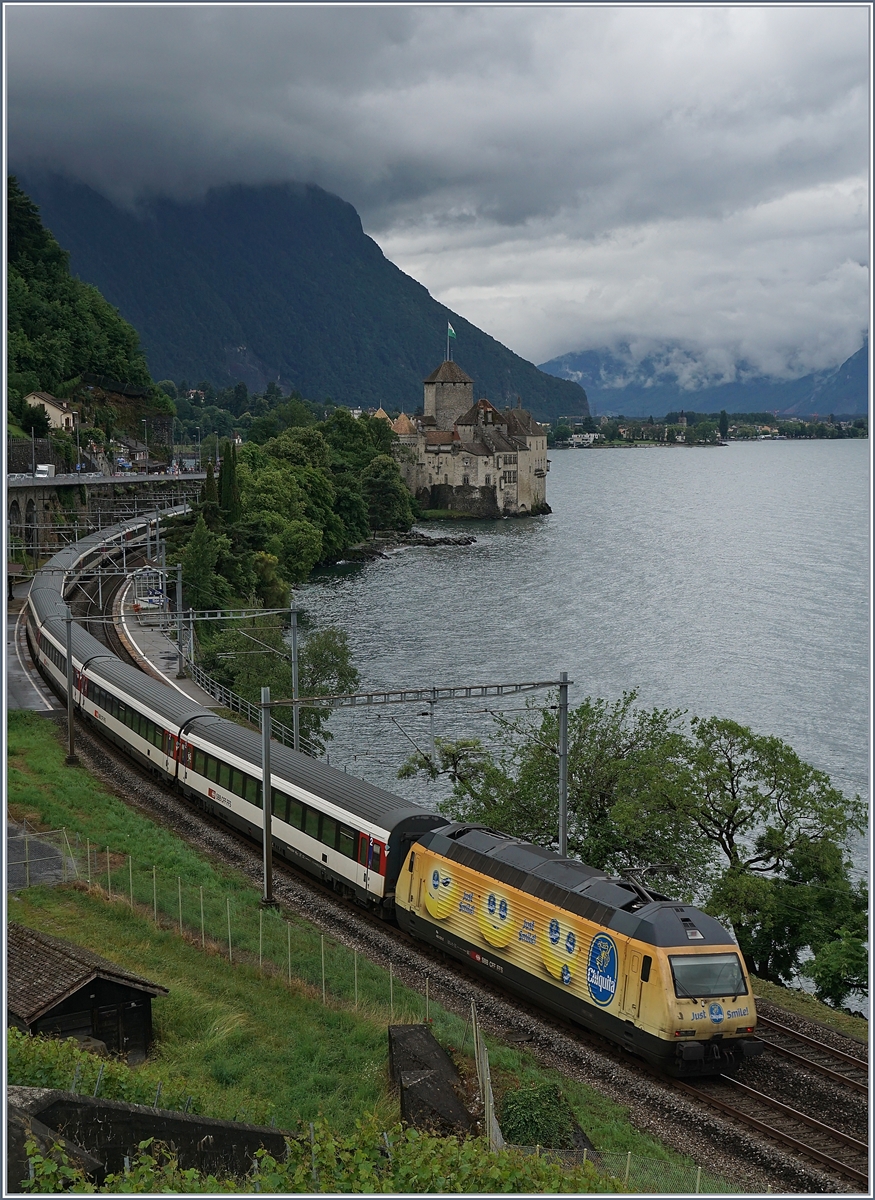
(346, 791)
(566, 883)
(176, 708)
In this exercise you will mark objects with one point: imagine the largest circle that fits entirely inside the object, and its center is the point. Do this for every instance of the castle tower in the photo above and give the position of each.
(448, 393)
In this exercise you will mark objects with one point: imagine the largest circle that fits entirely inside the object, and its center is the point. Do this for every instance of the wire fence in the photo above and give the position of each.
(236, 926)
(639, 1174)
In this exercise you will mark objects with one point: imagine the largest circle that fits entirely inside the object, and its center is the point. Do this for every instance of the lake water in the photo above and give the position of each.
(725, 581)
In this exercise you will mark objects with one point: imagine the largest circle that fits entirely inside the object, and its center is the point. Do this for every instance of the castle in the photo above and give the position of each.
(470, 457)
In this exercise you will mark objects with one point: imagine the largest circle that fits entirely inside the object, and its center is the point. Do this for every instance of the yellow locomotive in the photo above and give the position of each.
(662, 979)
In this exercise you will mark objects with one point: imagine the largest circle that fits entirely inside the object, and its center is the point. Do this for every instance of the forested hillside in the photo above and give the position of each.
(280, 283)
(58, 326)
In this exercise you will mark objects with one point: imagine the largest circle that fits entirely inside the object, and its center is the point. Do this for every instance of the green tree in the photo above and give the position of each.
(386, 495)
(203, 587)
(210, 494)
(248, 657)
(839, 968)
(34, 420)
(228, 489)
(562, 432)
(724, 424)
(627, 777)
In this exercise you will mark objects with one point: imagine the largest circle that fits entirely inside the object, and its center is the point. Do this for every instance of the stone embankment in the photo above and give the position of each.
(384, 542)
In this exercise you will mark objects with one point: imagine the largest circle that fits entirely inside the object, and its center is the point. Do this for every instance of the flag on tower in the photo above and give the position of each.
(450, 331)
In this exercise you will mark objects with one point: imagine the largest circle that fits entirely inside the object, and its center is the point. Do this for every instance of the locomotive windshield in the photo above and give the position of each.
(701, 975)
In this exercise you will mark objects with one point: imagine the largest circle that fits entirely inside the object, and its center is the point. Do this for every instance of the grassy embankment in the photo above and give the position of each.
(242, 1042)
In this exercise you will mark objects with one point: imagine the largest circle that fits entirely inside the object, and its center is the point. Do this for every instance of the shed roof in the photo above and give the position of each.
(41, 971)
(448, 372)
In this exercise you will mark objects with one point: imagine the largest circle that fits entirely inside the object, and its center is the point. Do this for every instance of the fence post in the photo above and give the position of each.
(131, 879)
(584, 1155)
(155, 895)
(391, 997)
(26, 861)
(108, 876)
(70, 851)
(426, 999)
(260, 935)
(289, 944)
(698, 1180)
(628, 1165)
(179, 890)
(355, 976)
(203, 938)
(88, 858)
(323, 967)
(228, 907)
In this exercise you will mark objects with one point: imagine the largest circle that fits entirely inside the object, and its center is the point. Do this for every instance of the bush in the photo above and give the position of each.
(538, 1115)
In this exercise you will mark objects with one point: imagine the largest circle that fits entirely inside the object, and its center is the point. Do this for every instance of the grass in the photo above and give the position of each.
(244, 1042)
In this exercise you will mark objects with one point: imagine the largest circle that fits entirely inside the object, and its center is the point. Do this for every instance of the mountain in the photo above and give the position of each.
(279, 283)
(615, 384)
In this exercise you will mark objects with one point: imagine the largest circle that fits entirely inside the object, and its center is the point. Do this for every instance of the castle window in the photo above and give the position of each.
(488, 480)
(446, 479)
(466, 480)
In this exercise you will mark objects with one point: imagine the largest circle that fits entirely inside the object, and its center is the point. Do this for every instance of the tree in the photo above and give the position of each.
(203, 587)
(840, 968)
(627, 775)
(562, 432)
(724, 424)
(34, 420)
(386, 495)
(756, 801)
(248, 658)
(228, 490)
(210, 494)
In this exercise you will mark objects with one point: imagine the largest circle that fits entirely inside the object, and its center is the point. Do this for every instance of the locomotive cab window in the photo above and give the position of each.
(702, 975)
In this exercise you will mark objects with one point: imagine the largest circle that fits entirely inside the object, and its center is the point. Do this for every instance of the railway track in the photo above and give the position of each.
(804, 1135)
(837, 1065)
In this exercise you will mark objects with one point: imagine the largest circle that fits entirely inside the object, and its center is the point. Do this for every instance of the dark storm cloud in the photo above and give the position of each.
(564, 177)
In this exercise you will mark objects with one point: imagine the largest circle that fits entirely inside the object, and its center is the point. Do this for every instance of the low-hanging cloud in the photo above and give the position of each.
(564, 177)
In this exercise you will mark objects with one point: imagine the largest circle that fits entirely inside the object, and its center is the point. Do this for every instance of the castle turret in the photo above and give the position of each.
(448, 393)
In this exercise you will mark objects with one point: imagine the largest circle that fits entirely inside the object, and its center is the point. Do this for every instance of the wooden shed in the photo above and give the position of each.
(57, 988)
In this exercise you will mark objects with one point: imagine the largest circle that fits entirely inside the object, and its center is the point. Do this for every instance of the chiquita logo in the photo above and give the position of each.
(601, 971)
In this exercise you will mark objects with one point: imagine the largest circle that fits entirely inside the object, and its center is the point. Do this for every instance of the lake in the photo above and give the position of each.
(727, 581)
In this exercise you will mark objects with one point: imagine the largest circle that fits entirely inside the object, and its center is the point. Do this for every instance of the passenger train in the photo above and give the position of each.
(661, 979)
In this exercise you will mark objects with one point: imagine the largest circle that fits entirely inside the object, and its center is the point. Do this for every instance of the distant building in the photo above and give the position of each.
(60, 415)
(57, 988)
(471, 457)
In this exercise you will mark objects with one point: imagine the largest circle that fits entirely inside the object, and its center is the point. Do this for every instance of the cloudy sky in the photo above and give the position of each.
(567, 177)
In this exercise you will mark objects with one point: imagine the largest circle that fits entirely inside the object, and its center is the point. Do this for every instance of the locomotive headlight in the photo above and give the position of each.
(440, 890)
(495, 918)
(558, 949)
